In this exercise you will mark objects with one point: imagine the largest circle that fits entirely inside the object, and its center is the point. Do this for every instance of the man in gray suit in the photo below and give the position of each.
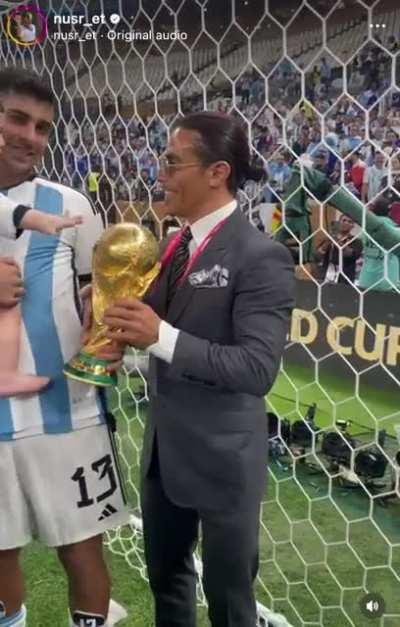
(215, 324)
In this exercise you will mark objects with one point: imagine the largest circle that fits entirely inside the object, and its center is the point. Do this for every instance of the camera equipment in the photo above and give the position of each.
(303, 430)
(339, 452)
(273, 427)
(397, 432)
(337, 446)
(396, 469)
(370, 464)
(278, 437)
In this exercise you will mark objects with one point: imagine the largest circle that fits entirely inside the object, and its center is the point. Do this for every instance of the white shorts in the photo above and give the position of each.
(60, 488)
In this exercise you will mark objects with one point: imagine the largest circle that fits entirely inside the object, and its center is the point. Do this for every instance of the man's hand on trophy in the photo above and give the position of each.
(132, 322)
(11, 285)
(114, 354)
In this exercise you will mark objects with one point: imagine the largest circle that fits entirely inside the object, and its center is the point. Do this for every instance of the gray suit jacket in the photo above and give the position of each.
(207, 407)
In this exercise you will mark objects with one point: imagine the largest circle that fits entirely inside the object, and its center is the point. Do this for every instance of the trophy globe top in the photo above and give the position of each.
(125, 262)
(126, 245)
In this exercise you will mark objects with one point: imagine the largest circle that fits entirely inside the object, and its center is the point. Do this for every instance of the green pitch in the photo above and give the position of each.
(319, 544)
(296, 388)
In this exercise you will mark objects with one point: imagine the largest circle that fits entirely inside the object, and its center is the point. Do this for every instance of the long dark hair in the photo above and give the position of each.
(221, 138)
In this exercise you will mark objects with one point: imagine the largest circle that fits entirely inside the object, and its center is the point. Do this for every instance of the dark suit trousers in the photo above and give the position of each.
(229, 553)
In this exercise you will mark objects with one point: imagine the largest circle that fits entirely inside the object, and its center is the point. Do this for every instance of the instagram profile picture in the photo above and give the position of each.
(26, 25)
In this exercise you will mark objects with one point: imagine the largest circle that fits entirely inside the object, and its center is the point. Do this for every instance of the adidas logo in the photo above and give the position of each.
(109, 510)
(85, 620)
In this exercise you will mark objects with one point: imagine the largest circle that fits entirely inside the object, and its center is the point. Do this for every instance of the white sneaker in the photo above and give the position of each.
(116, 612)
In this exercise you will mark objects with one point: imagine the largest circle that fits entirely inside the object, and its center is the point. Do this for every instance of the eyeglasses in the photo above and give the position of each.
(166, 166)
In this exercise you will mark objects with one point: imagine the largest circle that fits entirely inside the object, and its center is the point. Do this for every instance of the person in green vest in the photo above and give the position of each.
(307, 182)
(380, 270)
(93, 185)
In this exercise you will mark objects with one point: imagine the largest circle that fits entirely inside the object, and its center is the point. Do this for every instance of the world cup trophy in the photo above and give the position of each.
(125, 263)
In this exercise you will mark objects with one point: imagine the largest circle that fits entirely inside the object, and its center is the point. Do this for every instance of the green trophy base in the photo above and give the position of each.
(90, 369)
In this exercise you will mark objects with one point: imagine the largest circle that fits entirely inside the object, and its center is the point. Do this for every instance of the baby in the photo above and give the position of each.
(14, 217)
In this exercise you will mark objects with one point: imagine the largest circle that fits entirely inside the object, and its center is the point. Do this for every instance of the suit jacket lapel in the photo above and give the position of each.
(213, 253)
(156, 297)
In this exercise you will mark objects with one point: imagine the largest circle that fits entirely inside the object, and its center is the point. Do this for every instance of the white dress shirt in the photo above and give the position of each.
(168, 335)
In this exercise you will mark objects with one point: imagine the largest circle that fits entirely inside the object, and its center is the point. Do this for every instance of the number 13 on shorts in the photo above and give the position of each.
(104, 470)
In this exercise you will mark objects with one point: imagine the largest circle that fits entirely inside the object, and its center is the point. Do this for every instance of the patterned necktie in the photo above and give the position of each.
(179, 263)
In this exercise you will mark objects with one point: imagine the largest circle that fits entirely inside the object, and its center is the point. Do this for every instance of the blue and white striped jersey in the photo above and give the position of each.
(7, 208)
(51, 316)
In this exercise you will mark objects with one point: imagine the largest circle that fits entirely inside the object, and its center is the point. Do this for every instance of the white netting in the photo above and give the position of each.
(315, 80)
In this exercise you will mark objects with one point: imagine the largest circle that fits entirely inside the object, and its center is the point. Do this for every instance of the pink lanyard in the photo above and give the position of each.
(174, 243)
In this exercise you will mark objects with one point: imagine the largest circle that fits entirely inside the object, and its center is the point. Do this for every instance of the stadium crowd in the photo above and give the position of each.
(119, 156)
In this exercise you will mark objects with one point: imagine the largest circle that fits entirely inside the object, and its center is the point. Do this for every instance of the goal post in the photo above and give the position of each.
(316, 84)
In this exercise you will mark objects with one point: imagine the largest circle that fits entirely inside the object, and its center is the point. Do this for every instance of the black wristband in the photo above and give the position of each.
(18, 214)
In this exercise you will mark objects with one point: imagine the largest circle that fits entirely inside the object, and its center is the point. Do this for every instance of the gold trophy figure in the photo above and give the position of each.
(125, 263)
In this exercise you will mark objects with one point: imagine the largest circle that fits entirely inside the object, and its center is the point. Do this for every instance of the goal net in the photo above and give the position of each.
(316, 85)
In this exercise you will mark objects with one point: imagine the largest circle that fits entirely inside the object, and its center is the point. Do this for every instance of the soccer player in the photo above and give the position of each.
(14, 216)
(59, 477)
